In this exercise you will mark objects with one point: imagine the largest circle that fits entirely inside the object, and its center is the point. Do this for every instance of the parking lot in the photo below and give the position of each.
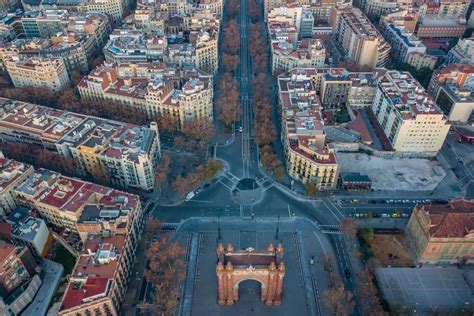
(397, 174)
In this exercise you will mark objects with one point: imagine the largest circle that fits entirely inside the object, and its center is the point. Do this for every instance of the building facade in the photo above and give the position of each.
(12, 174)
(122, 154)
(440, 234)
(308, 158)
(462, 53)
(408, 115)
(48, 73)
(359, 38)
(452, 87)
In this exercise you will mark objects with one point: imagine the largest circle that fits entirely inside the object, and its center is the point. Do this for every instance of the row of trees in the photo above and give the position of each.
(258, 47)
(165, 271)
(41, 157)
(264, 130)
(336, 298)
(228, 101)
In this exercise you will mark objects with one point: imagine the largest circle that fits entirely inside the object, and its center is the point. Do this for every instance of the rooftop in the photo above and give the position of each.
(95, 270)
(73, 195)
(118, 140)
(407, 95)
(455, 219)
(10, 172)
(6, 250)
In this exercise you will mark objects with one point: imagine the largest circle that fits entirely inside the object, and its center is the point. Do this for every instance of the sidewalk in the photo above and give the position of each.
(132, 297)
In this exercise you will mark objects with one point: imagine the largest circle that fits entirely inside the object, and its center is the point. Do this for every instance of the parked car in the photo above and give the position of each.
(189, 196)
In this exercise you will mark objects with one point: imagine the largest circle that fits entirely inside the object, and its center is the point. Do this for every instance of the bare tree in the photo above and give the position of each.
(349, 227)
(232, 7)
(232, 37)
(338, 300)
(165, 272)
(163, 169)
(367, 293)
(230, 62)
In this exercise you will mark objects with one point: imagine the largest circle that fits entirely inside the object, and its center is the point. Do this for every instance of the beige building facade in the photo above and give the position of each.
(48, 73)
(408, 115)
(359, 38)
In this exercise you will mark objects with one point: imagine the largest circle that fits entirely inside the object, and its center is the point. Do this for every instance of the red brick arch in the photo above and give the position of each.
(264, 267)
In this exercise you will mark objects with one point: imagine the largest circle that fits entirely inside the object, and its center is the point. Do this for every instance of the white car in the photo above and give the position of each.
(241, 129)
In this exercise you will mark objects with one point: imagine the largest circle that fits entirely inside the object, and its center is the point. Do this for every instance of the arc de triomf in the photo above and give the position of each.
(264, 266)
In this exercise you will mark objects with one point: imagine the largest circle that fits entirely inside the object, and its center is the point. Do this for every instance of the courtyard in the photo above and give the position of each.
(389, 250)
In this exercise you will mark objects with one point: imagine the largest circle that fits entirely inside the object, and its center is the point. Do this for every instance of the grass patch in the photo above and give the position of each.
(65, 258)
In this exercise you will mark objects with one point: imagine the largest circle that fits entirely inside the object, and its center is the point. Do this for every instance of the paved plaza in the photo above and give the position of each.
(303, 283)
(426, 288)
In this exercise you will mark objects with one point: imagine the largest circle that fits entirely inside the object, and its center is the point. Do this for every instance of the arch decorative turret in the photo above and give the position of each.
(263, 266)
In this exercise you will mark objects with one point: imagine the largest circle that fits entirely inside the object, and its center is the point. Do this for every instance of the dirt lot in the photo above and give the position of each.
(390, 250)
(398, 174)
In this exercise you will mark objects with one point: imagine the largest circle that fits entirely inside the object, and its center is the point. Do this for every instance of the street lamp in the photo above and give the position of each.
(278, 227)
(218, 227)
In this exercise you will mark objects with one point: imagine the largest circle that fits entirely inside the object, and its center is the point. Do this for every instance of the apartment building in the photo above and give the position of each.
(11, 26)
(408, 115)
(17, 267)
(334, 88)
(123, 154)
(47, 73)
(12, 174)
(207, 57)
(110, 228)
(449, 8)
(47, 23)
(362, 89)
(377, 8)
(408, 18)
(452, 87)
(308, 159)
(99, 280)
(337, 87)
(442, 234)
(94, 24)
(153, 88)
(441, 27)
(134, 46)
(403, 42)
(216, 7)
(289, 14)
(181, 54)
(191, 101)
(147, 18)
(103, 83)
(421, 60)
(114, 8)
(75, 49)
(321, 10)
(69, 202)
(43, 24)
(288, 52)
(33, 233)
(359, 39)
(462, 52)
